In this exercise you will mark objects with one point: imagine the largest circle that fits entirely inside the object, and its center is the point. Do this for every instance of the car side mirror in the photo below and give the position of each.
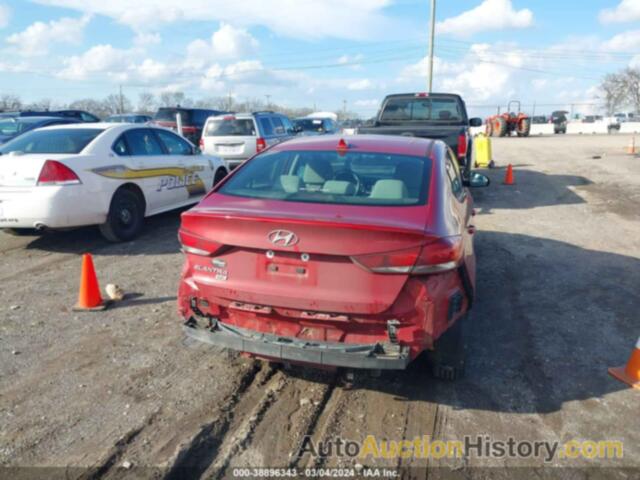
(475, 122)
(478, 180)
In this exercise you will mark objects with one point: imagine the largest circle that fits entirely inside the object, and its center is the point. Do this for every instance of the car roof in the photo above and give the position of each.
(43, 118)
(369, 143)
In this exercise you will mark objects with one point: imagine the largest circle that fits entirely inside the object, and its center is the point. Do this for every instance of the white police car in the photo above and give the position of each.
(106, 174)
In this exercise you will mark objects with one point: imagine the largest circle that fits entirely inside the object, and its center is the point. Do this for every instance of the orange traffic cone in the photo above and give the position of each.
(631, 149)
(508, 177)
(629, 374)
(89, 298)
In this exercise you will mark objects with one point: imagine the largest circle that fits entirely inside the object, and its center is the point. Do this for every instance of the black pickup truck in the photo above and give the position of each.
(441, 116)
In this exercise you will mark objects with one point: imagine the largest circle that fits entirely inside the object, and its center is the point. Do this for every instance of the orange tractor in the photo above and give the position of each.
(506, 123)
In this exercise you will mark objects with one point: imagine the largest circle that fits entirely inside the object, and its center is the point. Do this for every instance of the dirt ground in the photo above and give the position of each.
(121, 393)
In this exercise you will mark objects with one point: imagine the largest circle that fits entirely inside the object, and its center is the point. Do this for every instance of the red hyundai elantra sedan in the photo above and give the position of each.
(336, 252)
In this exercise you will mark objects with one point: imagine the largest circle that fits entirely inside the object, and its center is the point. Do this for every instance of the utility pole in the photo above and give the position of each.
(268, 101)
(433, 35)
(344, 109)
(121, 101)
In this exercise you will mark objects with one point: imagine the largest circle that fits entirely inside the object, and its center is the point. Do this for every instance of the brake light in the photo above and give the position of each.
(260, 144)
(201, 143)
(56, 173)
(343, 146)
(422, 94)
(438, 256)
(462, 146)
(197, 245)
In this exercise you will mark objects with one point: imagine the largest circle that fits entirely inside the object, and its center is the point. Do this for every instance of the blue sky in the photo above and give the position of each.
(318, 52)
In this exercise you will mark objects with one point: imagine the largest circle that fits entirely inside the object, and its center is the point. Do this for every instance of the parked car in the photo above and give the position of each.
(539, 120)
(79, 115)
(238, 137)
(193, 120)
(13, 127)
(344, 254)
(105, 174)
(559, 120)
(315, 126)
(441, 116)
(128, 118)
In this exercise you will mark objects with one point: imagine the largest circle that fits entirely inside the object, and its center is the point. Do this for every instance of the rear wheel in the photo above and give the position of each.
(524, 127)
(220, 174)
(447, 359)
(125, 218)
(500, 127)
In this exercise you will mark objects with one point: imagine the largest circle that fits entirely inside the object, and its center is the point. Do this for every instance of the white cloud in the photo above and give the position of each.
(626, 11)
(5, 14)
(98, 59)
(363, 84)
(302, 18)
(344, 59)
(38, 37)
(144, 40)
(226, 43)
(489, 15)
(625, 41)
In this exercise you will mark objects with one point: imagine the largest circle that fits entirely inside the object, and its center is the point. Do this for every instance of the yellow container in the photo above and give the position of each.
(482, 147)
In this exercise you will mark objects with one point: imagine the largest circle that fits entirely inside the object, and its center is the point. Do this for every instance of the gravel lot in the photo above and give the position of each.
(558, 279)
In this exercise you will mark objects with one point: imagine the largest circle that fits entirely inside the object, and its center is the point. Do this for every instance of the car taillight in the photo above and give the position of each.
(260, 144)
(438, 256)
(462, 146)
(201, 143)
(197, 245)
(56, 173)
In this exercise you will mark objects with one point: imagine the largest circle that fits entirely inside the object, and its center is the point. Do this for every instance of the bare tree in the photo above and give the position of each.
(172, 99)
(92, 106)
(10, 102)
(146, 103)
(43, 105)
(621, 90)
(117, 104)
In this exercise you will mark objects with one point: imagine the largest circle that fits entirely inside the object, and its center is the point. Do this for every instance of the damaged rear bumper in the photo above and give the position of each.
(376, 356)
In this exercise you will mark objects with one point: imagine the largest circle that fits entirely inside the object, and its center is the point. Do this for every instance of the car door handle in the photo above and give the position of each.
(471, 229)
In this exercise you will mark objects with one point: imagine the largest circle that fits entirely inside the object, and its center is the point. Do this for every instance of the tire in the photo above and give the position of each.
(524, 127)
(447, 359)
(500, 126)
(220, 174)
(488, 128)
(125, 218)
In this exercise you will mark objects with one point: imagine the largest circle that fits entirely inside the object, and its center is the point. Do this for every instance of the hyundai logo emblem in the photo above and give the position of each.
(283, 238)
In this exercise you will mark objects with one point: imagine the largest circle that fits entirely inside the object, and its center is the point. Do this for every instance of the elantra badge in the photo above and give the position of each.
(283, 238)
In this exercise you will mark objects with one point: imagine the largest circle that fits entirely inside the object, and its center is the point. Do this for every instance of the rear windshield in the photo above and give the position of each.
(58, 141)
(169, 115)
(230, 127)
(14, 126)
(422, 109)
(310, 125)
(355, 178)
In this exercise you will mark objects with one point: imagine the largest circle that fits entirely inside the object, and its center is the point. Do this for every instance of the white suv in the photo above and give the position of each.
(239, 136)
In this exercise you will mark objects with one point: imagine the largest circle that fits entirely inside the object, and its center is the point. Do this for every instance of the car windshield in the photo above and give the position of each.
(310, 125)
(422, 109)
(230, 127)
(57, 141)
(329, 177)
(169, 115)
(15, 126)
